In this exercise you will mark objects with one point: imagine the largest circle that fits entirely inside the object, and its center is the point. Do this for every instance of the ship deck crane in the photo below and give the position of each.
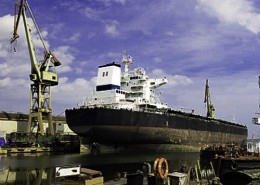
(207, 100)
(42, 75)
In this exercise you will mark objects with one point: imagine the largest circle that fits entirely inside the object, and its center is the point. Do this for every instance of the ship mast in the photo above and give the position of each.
(126, 60)
(207, 100)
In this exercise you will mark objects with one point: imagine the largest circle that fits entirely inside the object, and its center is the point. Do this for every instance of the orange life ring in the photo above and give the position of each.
(155, 164)
(163, 168)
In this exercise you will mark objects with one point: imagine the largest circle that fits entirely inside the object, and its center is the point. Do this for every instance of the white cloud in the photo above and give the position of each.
(80, 68)
(6, 23)
(114, 55)
(170, 33)
(70, 93)
(198, 41)
(150, 17)
(20, 70)
(13, 90)
(10, 83)
(6, 30)
(91, 13)
(240, 12)
(173, 80)
(74, 38)
(158, 59)
(55, 29)
(3, 50)
(65, 57)
(109, 2)
(111, 28)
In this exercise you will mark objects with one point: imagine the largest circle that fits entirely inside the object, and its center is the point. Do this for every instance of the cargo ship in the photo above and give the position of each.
(124, 109)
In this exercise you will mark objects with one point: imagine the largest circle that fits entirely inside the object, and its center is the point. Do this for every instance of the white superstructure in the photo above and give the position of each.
(109, 77)
(129, 90)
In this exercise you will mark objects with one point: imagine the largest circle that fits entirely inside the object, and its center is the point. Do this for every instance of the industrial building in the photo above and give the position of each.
(17, 122)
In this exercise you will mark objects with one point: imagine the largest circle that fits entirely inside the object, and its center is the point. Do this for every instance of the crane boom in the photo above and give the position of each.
(36, 26)
(17, 20)
(34, 66)
(42, 74)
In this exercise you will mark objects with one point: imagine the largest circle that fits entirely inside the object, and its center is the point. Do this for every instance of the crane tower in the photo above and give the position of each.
(42, 75)
(207, 100)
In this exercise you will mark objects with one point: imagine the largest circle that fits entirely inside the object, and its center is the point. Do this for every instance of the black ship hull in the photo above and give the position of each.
(121, 126)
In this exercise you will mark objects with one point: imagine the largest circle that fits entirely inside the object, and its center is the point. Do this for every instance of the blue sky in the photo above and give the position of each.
(186, 41)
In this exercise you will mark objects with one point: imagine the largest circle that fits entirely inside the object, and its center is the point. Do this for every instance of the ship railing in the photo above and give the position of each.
(136, 92)
(152, 109)
(127, 100)
(138, 86)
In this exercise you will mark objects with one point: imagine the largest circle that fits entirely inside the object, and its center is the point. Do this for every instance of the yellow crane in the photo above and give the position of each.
(42, 75)
(207, 101)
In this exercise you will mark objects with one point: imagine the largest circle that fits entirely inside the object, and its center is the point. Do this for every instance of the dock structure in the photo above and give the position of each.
(15, 139)
(17, 122)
